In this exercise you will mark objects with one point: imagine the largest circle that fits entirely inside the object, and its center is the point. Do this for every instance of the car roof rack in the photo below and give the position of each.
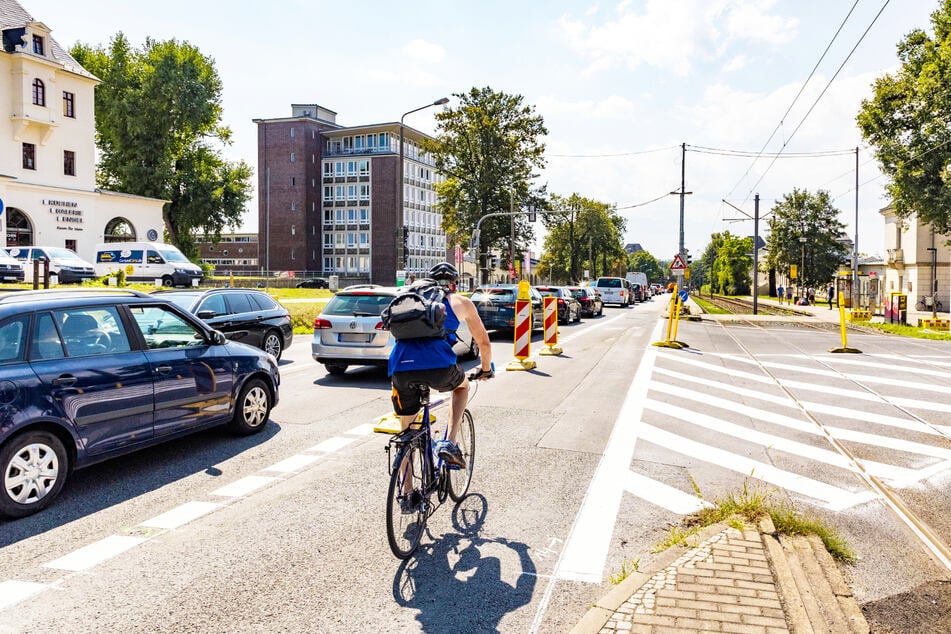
(20, 296)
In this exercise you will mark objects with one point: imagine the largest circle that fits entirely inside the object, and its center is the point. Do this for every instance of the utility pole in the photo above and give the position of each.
(855, 245)
(512, 240)
(755, 253)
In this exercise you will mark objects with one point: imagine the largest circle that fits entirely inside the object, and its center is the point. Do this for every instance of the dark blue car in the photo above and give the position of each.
(86, 376)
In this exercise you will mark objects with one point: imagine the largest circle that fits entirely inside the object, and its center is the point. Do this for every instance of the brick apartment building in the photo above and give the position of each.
(328, 199)
(235, 253)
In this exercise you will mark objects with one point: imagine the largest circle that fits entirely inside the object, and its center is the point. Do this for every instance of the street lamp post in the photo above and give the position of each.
(802, 263)
(400, 252)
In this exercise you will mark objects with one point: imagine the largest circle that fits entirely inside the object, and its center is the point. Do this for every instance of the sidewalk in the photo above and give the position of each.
(750, 581)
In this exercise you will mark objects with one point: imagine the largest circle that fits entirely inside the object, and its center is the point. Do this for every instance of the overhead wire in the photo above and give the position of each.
(634, 153)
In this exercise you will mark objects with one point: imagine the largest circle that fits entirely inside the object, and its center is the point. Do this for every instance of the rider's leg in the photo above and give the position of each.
(457, 405)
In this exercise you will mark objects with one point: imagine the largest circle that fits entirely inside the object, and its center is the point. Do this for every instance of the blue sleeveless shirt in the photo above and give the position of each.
(426, 354)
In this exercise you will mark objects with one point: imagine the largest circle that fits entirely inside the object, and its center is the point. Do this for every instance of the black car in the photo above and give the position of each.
(569, 308)
(242, 314)
(589, 299)
(314, 282)
(90, 375)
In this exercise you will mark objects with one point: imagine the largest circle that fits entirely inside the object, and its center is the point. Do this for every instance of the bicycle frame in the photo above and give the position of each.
(416, 433)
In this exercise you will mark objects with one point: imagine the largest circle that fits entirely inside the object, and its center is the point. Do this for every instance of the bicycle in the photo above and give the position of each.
(427, 474)
(924, 304)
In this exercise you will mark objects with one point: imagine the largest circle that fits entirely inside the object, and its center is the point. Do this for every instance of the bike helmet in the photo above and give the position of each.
(444, 271)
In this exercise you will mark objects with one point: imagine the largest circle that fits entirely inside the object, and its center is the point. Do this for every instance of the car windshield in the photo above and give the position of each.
(544, 290)
(578, 292)
(358, 304)
(184, 300)
(172, 255)
(62, 254)
(492, 294)
(610, 282)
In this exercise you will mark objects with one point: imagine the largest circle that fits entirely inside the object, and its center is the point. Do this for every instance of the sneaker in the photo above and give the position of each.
(409, 504)
(451, 454)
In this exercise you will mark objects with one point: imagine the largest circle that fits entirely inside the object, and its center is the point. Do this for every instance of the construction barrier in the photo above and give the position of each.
(860, 315)
(845, 344)
(551, 327)
(673, 318)
(935, 324)
(523, 330)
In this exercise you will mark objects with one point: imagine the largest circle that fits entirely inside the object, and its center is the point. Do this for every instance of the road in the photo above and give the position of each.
(582, 465)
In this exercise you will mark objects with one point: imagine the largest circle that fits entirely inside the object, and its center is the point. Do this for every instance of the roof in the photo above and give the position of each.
(13, 22)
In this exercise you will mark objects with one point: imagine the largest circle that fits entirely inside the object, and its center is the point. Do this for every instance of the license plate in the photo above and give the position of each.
(490, 309)
(354, 337)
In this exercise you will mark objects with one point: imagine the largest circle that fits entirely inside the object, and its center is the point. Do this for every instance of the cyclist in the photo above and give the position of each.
(432, 362)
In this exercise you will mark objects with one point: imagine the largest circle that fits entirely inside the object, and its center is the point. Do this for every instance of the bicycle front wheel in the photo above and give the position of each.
(459, 479)
(405, 508)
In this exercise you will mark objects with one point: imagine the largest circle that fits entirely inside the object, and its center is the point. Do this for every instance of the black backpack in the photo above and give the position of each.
(417, 313)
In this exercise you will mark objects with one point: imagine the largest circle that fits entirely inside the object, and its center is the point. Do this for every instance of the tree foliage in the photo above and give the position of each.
(726, 264)
(801, 214)
(908, 121)
(158, 126)
(587, 235)
(487, 148)
(647, 264)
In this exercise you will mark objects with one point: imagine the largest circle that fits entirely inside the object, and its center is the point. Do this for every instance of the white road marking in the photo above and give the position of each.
(181, 515)
(12, 592)
(88, 556)
(831, 496)
(662, 495)
(332, 444)
(778, 443)
(245, 485)
(361, 430)
(294, 463)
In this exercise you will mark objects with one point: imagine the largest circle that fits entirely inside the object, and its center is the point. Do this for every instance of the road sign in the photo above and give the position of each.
(678, 263)
(683, 296)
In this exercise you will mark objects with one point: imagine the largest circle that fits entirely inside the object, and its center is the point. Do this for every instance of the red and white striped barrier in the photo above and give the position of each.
(523, 330)
(551, 327)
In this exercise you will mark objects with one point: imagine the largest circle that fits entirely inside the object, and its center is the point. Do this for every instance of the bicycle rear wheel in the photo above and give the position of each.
(404, 531)
(459, 479)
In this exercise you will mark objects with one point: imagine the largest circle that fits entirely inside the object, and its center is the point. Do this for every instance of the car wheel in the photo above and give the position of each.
(252, 408)
(34, 466)
(601, 310)
(335, 369)
(273, 344)
(167, 281)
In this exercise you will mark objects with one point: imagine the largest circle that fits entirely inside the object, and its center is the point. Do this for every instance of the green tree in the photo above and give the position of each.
(487, 148)
(805, 230)
(158, 130)
(647, 264)
(908, 121)
(577, 236)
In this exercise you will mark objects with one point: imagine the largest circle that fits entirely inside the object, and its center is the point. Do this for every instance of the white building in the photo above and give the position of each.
(917, 259)
(48, 193)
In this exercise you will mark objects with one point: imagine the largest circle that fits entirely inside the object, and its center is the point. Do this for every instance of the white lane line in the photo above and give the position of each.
(662, 495)
(832, 496)
(181, 515)
(12, 592)
(242, 487)
(361, 430)
(294, 463)
(332, 444)
(586, 548)
(88, 556)
(778, 443)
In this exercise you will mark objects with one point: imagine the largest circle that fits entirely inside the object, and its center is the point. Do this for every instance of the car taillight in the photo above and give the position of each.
(322, 324)
(561, 302)
(379, 326)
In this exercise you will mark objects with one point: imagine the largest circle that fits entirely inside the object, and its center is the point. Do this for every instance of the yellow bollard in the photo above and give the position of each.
(673, 312)
(845, 345)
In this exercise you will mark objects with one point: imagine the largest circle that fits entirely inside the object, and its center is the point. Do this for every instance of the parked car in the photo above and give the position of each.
(613, 290)
(244, 315)
(569, 308)
(90, 375)
(63, 263)
(349, 330)
(11, 270)
(314, 282)
(148, 261)
(496, 306)
(589, 299)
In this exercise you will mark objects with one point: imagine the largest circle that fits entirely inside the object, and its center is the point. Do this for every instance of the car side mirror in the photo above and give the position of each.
(218, 338)
(206, 314)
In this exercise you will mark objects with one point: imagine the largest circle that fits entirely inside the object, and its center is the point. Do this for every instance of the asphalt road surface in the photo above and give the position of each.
(582, 465)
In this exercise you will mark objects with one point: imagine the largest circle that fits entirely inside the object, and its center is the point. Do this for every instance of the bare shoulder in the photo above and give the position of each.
(460, 303)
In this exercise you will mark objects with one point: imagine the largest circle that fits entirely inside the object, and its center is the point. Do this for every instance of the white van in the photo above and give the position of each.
(613, 290)
(150, 261)
(11, 270)
(63, 263)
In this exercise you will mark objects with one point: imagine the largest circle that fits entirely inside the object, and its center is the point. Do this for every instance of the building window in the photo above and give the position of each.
(19, 229)
(71, 245)
(293, 181)
(293, 158)
(38, 45)
(69, 163)
(69, 102)
(39, 93)
(29, 156)
(119, 230)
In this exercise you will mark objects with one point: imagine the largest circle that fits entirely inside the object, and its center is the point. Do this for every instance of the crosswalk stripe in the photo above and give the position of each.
(662, 495)
(770, 441)
(833, 497)
(12, 592)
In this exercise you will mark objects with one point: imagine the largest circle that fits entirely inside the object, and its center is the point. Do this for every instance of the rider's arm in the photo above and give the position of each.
(465, 309)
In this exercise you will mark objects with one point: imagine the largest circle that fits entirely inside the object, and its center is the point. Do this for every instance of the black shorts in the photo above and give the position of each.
(405, 394)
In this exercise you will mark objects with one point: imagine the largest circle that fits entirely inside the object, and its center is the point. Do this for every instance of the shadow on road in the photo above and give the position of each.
(458, 582)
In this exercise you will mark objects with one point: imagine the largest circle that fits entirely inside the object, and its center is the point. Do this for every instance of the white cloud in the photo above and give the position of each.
(423, 51)
(610, 108)
(734, 64)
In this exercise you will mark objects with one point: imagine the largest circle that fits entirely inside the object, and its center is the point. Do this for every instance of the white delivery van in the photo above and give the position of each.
(150, 261)
(613, 290)
(63, 263)
(641, 293)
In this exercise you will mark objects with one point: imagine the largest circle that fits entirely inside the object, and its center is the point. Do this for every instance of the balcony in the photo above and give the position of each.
(896, 256)
(329, 152)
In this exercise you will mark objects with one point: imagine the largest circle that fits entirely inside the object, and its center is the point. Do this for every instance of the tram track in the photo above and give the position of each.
(929, 539)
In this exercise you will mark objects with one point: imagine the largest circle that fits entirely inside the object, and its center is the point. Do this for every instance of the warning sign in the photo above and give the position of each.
(678, 264)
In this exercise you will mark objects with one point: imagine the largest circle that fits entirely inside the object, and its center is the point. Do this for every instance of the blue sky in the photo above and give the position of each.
(620, 85)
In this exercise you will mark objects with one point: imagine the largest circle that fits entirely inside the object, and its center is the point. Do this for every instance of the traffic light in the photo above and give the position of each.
(689, 259)
(531, 213)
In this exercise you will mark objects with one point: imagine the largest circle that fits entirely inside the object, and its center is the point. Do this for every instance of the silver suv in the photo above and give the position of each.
(349, 331)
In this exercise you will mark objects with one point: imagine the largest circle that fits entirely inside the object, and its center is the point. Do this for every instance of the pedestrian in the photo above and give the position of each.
(781, 292)
(811, 293)
(789, 295)
(830, 292)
